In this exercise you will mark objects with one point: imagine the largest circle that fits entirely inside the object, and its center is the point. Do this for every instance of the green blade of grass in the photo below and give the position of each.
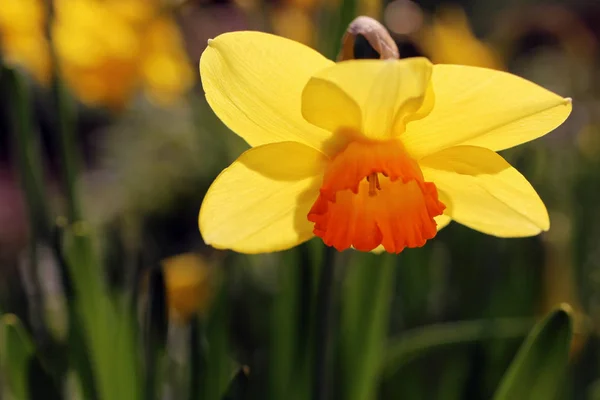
(216, 369)
(29, 160)
(155, 334)
(419, 342)
(16, 350)
(108, 328)
(538, 369)
(29, 157)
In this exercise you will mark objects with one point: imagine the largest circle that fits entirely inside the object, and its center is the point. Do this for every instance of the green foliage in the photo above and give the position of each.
(538, 370)
(419, 342)
(366, 296)
(16, 350)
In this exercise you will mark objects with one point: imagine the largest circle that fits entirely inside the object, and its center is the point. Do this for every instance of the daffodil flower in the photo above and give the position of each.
(188, 282)
(109, 49)
(22, 38)
(449, 39)
(366, 153)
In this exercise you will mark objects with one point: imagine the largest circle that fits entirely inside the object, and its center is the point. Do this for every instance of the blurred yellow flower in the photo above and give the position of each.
(22, 39)
(164, 66)
(188, 283)
(365, 153)
(294, 19)
(293, 23)
(370, 8)
(109, 49)
(449, 40)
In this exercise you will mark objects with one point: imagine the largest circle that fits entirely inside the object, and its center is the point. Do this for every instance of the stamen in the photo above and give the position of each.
(373, 180)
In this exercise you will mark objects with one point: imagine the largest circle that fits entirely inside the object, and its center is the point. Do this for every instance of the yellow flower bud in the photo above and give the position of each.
(188, 280)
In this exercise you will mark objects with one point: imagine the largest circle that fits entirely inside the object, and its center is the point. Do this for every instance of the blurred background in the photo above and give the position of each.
(107, 147)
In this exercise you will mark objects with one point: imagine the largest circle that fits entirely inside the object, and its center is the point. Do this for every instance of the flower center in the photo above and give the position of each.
(374, 194)
(374, 185)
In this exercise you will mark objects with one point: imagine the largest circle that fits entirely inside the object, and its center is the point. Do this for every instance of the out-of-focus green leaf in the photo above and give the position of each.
(107, 324)
(217, 368)
(155, 333)
(29, 157)
(450, 386)
(333, 24)
(196, 359)
(286, 329)
(29, 160)
(238, 385)
(322, 389)
(16, 349)
(364, 322)
(593, 391)
(537, 370)
(421, 341)
(41, 384)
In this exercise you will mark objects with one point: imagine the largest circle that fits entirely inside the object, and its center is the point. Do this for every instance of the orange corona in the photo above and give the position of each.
(374, 194)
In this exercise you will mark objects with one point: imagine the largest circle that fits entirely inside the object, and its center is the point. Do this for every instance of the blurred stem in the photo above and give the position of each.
(322, 377)
(195, 359)
(218, 367)
(364, 318)
(155, 331)
(306, 292)
(65, 122)
(28, 155)
(68, 149)
(333, 23)
(31, 177)
(346, 15)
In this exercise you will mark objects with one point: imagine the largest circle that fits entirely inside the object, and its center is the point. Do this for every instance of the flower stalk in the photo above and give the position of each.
(325, 297)
(65, 122)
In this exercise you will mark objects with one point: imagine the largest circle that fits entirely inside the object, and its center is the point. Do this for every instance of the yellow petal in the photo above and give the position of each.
(325, 105)
(260, 203)
(482, 191)
(387, 92)
(442, 221)
(486, 108)
(253, 81)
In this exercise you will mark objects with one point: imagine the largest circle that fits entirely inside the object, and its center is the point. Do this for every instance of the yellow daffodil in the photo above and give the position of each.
(188, 284)
(164, 66)
(450, 40)
(109, 49)
(293, 23)
(366, 153)
(22, 39)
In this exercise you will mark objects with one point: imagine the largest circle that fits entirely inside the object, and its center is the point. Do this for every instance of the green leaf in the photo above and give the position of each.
(107, 325)
(28, 154)
(16, 349)
(155, 334)
(419, 342)
(238, 386)
(538, 369)
(211, 376)
(42, 385)
(286, 327)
